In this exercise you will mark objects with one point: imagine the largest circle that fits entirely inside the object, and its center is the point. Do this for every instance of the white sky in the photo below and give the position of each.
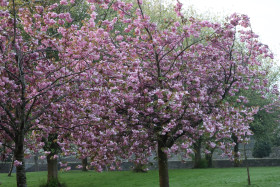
(264, 16)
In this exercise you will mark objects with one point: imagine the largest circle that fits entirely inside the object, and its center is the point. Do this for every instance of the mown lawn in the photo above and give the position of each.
(229, 177)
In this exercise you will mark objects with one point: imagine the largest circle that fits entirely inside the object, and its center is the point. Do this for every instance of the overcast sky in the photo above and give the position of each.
(264, 16)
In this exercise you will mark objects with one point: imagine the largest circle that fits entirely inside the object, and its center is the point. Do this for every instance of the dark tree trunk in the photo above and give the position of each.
(209, 159)
(36, 162)
(52, 146)
(236, 157)
(11, 167)
(162, 165)
(85, 164)
(197, 153)
(247, 166)
(52, 169)
(235, 151)
(19, 156)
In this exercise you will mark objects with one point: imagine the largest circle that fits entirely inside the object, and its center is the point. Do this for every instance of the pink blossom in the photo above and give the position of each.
(63, 164)
(212, 144)
(4, 3)
(17, 163)
(47, 152)
(63, 2)
(119, 38)
(93, 15)
(55, 156)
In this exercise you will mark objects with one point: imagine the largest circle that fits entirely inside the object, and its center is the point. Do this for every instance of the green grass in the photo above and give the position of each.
(229, 177)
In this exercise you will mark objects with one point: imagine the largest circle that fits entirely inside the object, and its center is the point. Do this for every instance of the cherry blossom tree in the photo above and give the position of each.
(169, 86)
(124, 86)
(38, 69)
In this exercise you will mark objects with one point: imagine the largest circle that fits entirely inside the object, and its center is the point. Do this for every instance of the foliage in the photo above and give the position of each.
(262, 148)
(140, 168)
(118, 85)
(202, 163)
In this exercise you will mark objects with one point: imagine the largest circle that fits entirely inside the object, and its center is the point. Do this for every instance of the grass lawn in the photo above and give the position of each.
(228, 177)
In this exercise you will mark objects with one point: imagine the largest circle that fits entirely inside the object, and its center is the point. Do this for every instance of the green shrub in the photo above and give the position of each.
(202, 163)
(140, 168)
(262, 148)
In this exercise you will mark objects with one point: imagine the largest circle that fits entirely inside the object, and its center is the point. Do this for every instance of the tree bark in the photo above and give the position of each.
(197, 153)
(19, 156)
(36, 162)
(209, 159)
(235, 151)
(11, 167)
(85, 164)
(236, 160)
(52, 146)
(162, 165)
(247, 166)
(52, 169)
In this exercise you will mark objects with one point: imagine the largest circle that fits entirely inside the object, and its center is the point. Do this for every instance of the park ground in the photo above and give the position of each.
(228, 177)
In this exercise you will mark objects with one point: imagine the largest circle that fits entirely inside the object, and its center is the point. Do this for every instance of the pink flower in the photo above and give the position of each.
(54, 15)
(93, 15)
(4, 3)
(55, 156)
(207, 151)
(212, 145)
(63, 2)
(61, 22)
(53, 6)
(91, 22)
(63, 164)
(47, 152)
(79, 166)
(119, 38)
(92, 7)
(17, 163)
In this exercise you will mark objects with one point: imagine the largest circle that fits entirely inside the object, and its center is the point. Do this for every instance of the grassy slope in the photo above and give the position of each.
(229, 177)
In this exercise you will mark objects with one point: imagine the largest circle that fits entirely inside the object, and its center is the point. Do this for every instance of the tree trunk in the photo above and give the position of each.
(235, 151)
(197, 154)
(52, 146)
(236, 157)
(19, 156)
(36, 162)
(247, 166)
(52, 169)
(11, 167)
(209, 159)
(85, 164)
(162, 165)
